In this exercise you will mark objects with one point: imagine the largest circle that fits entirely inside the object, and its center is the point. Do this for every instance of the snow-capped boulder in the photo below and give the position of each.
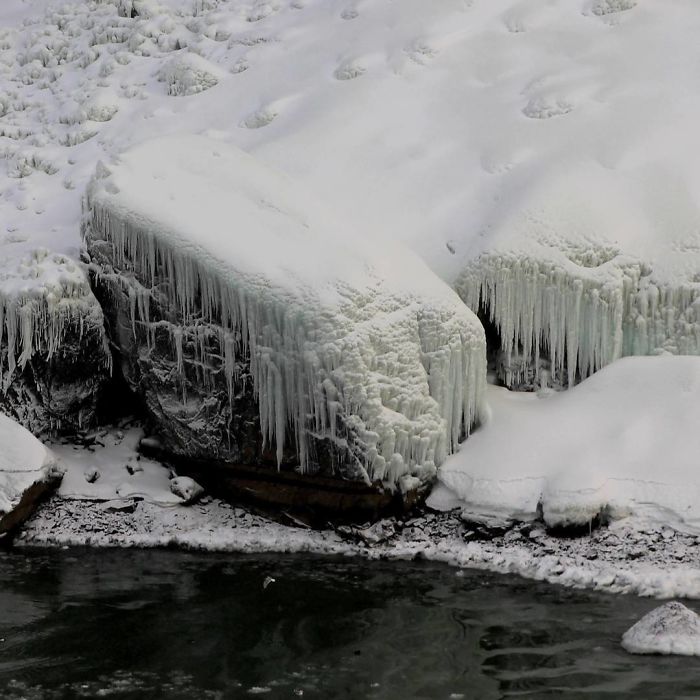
(258, 330)
(669, 629)
(28, 471)
(53, 353)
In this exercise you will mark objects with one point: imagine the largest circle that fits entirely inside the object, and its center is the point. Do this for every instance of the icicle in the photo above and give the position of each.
(308, 377)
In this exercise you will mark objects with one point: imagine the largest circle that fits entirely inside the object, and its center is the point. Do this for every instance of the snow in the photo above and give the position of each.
(670, 629)
(121, 473)
(623, 441)
(24, 461)
(540, 154)
(339, 331)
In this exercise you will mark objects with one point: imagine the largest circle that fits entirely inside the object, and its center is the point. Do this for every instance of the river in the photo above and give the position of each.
(79, 623)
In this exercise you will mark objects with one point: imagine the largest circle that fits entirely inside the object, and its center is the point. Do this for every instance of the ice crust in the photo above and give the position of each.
(341, 335)
(669, 629)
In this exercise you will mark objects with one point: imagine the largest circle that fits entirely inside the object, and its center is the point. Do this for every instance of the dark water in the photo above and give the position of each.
(152, 624)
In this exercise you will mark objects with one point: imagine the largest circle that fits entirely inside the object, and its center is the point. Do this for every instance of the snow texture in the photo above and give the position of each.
(539, 155)
(343, 336)
(670, 629)
(24, 461)
(624, 440)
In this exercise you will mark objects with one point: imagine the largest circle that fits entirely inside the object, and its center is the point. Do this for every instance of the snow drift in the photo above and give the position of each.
(355, 342)
(624, 440)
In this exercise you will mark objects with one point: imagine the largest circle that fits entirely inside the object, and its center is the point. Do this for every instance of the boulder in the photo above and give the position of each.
(28, 472)
(263, 338)
(669, 629)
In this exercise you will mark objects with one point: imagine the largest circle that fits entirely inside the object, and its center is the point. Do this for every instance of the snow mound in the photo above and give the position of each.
(345, 337)
(624, 440)
(189, 74)
(670, 629)
(24, 461)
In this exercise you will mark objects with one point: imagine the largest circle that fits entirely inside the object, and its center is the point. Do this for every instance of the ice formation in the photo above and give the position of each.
(623, 441)
(41, 296)
(343, 337)
(587, 270)
(670, 629)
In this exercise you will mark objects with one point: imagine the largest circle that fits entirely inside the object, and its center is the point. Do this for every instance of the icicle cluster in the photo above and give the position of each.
(404, 376)
(39, 300)
(581, 317)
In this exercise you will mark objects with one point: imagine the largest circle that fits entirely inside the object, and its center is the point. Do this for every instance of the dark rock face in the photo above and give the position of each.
(206, 429)
(58, 393)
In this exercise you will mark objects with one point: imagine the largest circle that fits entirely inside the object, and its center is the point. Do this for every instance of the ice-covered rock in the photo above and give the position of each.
(53, 353)
(670, 629)
(28, 471)
(256, 327)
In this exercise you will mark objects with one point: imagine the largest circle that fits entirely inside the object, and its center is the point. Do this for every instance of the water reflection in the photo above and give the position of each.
(148, 624)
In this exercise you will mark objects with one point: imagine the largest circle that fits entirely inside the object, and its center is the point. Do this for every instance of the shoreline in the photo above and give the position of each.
(633, 556)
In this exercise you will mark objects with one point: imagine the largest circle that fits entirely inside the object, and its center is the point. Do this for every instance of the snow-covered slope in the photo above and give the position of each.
(624, 440)
(24, 461)
(556, 134)
(344, 338)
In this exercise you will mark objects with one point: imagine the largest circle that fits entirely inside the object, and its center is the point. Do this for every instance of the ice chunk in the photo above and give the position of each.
(670, 629)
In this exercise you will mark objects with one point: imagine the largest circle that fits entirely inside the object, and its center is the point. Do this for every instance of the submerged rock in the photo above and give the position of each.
(670, 629)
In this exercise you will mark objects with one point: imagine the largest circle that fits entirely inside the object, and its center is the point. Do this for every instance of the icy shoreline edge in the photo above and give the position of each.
(632, 556)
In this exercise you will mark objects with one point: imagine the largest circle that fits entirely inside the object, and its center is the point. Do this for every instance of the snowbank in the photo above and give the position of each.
(345, 338)
(624, 440)
(24, 463)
